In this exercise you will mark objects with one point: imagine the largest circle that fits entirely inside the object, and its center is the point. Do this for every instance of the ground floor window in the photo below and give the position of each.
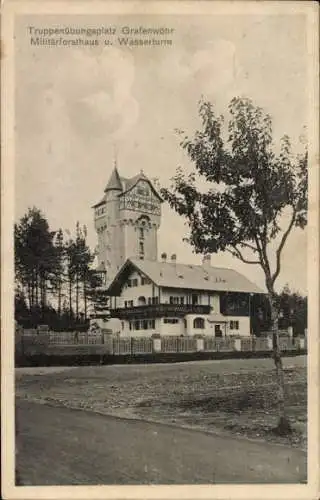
(172, 321)
(142, 324)
(234, 325)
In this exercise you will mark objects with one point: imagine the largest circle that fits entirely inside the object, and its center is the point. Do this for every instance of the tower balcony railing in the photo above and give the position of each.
(159, 310)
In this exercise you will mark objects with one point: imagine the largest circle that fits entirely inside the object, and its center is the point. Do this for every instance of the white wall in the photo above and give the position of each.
(244, 326)
(224, 322)
(179, 329)
(125, 331)
(162, 328)
(172, 328)
(133, 293)
(149, 290)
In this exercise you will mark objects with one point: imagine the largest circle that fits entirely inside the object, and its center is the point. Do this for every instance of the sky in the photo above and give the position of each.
(76, 106)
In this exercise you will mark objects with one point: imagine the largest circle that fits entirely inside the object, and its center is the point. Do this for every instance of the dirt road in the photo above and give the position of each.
(60, 446)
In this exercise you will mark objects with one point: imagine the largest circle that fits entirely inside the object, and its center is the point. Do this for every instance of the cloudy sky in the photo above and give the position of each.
(75, 106)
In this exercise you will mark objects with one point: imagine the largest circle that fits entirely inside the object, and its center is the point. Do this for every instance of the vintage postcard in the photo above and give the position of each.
(160, 264)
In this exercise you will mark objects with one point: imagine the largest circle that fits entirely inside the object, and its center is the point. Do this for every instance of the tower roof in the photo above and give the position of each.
(114, 181)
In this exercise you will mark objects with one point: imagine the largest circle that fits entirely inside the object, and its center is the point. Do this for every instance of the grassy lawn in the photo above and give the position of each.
(227, 396)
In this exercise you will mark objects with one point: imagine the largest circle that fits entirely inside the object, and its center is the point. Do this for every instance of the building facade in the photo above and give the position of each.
(148, 296)
(168, 298)
(127, 219)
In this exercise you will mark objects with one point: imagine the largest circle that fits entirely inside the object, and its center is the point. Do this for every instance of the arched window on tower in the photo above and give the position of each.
(141, 249)
(143, 224)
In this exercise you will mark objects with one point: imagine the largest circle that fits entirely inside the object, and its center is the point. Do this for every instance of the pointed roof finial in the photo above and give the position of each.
(114, 181)
(115, 154)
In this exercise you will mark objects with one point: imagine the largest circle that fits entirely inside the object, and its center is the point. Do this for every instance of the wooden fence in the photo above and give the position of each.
(32, 342)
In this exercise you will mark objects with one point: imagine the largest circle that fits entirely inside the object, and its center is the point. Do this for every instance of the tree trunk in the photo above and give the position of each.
(284, 426)
(59, 296)
(45, 286)
(32, 289)
(70, 296)
(37, 288)
(77, 296)
(85, 298)
(29, 295)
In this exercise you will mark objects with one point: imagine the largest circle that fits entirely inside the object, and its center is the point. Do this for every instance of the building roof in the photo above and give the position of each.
(114, 181)
(101, 202)
(130, 183)
(186, 276)
(124, 184)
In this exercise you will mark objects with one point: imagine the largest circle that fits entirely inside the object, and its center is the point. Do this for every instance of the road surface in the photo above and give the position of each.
(60, 446)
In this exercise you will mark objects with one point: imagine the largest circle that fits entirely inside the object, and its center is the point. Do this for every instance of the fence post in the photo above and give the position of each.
(199, 343)
(237, 344)
(131, 345)
(269, 343)
(156, 342)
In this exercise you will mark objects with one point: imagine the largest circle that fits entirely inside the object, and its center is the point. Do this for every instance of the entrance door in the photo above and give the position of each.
(217, 331)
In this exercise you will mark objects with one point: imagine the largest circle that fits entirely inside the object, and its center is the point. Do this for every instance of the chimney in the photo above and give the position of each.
(173, 258)
(206, 261)
(164, 257)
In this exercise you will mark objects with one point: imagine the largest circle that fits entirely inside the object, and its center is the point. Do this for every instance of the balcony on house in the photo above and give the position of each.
(159, 310)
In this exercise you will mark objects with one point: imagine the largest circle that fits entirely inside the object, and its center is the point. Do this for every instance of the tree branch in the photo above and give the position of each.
(247, 245)
(236, 253)
(282, 242)
(263, 257)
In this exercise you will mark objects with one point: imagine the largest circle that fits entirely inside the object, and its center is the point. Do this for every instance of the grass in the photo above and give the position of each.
(227, 396)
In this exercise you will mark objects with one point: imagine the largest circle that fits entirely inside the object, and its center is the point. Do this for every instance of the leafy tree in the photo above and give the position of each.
(69, 249)
(59, 244)
(98, 296)
(35, 256)
(251, 189)
(84, 259)
(293, 309)
(79, 257)
(20, 306)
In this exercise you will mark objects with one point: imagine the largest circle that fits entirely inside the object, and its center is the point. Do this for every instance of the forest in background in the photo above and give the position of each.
(54, 280)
